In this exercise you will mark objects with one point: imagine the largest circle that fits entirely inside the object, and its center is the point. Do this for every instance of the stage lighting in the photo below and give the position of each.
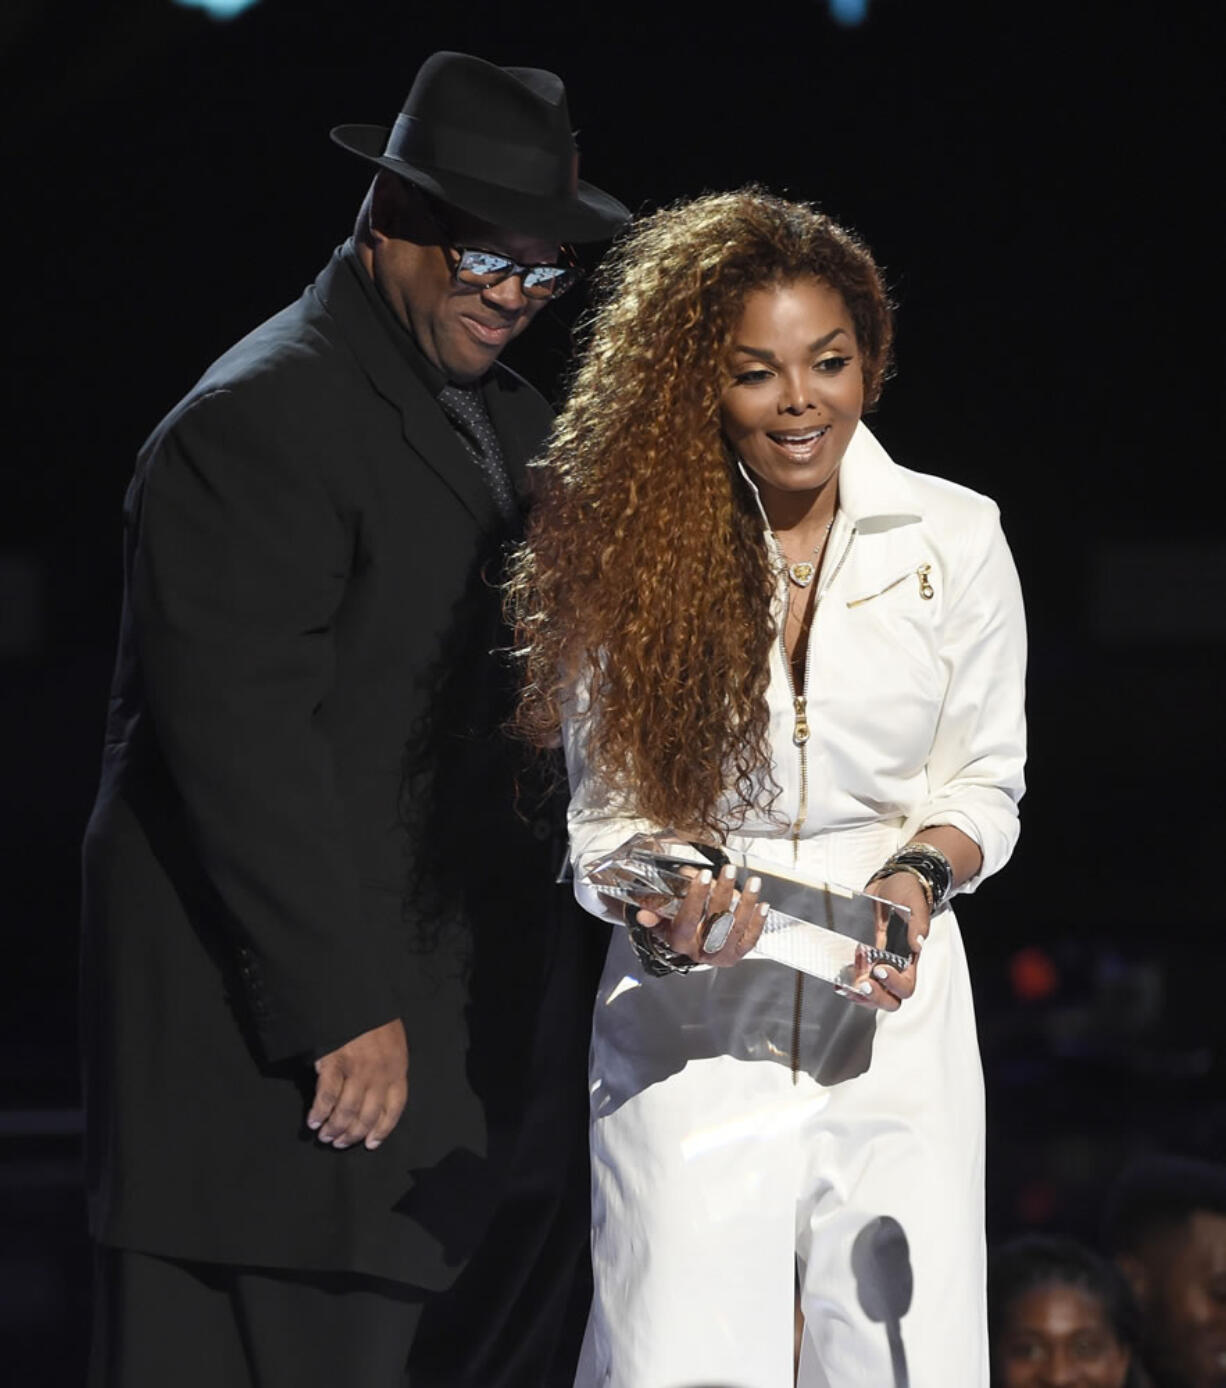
(849, 13)
(218, 9)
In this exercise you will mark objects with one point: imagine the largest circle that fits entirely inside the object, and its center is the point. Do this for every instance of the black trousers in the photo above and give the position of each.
(161, 1322)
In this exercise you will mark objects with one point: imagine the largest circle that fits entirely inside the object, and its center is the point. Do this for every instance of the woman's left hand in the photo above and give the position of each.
(692, 930)
(880, 985)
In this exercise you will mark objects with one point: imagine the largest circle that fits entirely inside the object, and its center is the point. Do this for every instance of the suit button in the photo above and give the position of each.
(541, 830)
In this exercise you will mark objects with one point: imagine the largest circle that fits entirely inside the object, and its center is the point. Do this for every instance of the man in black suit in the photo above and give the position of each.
(309, 859)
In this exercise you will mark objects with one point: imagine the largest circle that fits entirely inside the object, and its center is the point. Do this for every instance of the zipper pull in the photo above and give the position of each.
(926, 589)
(800, 733)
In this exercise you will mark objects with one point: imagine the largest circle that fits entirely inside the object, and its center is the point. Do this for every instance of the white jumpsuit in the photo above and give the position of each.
(746, 1133)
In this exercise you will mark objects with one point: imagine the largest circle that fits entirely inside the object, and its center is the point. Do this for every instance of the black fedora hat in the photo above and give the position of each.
(495, 142)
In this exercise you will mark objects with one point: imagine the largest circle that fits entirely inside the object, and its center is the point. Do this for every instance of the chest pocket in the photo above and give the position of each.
(922, 574)
(890, 681)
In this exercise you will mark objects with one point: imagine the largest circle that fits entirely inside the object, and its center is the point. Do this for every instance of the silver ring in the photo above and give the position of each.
(716, 934)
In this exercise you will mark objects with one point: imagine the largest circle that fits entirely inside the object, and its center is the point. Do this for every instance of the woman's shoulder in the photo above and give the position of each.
(884, 487)
(945, 499)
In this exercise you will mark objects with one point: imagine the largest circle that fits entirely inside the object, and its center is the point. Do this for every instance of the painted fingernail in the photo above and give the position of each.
(373, 1142)
(880, 972)
(315, 1124)
(763, 910)
(705, 876)
(339, 1146)
(865, 990)
(754, 885)
(919, 941)
(729, 873)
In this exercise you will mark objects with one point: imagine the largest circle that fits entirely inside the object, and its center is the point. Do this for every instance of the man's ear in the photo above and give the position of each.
(1136, 1275)
(397, 210)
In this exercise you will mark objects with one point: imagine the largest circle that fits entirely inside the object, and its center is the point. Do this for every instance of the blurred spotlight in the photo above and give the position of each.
(1033, 975)
(849, 12)
(218, 9)
(1036, 1203)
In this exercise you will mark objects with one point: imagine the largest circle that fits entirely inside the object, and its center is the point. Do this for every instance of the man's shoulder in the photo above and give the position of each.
(282, 353)
(293, 366)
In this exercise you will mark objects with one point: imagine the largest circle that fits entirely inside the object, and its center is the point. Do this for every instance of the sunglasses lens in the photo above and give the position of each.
(483, 267)
(544, 281)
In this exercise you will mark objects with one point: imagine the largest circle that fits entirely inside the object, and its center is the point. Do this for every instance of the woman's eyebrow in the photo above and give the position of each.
(765, 354)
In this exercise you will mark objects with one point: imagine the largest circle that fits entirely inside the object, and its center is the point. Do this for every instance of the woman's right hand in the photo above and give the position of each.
(703, 918)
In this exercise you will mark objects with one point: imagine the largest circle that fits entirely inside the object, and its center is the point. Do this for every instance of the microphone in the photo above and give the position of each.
(881, 1264)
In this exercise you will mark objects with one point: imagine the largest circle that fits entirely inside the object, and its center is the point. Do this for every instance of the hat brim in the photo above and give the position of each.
(587, 215)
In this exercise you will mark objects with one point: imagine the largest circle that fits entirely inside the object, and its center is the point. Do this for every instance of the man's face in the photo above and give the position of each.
(460, 328)
(1180, 1279)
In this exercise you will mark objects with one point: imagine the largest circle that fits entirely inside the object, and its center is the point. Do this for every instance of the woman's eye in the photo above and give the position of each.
(751, 376)
(831, 366)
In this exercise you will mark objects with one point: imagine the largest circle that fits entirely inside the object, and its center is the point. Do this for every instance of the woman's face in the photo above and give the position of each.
(1058, 1337)
(794, 389)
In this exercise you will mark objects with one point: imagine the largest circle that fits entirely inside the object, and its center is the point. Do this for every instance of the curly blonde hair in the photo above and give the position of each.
(644, 567)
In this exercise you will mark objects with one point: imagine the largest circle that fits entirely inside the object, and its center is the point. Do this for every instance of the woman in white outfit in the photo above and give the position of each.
(747, 622)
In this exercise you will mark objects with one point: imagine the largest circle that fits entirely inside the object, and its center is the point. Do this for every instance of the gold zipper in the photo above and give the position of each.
(800, 737)
(926, 590)
(800, 702)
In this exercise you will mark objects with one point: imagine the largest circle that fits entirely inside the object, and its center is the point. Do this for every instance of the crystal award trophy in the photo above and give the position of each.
(827, 931)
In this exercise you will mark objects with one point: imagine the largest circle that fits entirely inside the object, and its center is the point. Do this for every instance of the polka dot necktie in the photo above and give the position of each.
(466, 410)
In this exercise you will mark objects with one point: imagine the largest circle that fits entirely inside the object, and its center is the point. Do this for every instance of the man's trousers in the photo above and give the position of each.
(160, 1322)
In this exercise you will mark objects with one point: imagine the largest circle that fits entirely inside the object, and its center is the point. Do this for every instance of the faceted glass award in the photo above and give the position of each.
(828, 931)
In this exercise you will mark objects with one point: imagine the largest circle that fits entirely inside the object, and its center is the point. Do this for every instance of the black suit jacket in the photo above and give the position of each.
(306, 827)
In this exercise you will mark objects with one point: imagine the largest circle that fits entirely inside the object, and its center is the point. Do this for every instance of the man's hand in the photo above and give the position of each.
(362, 1088)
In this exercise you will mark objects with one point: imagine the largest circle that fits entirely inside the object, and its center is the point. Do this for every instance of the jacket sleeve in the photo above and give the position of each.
(238, 559)
(975, 768)
(595, 821)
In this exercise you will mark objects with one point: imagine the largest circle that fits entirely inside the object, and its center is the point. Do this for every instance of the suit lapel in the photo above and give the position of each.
(426, 428)
(519, 430)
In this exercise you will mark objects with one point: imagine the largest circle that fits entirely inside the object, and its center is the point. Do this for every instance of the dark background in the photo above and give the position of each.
(1037, 182)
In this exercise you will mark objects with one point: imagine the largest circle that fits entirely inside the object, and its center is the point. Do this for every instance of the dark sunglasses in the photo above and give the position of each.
(482, 269)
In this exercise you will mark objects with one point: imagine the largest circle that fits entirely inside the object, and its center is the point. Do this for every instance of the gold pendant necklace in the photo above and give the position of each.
(803, 571)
